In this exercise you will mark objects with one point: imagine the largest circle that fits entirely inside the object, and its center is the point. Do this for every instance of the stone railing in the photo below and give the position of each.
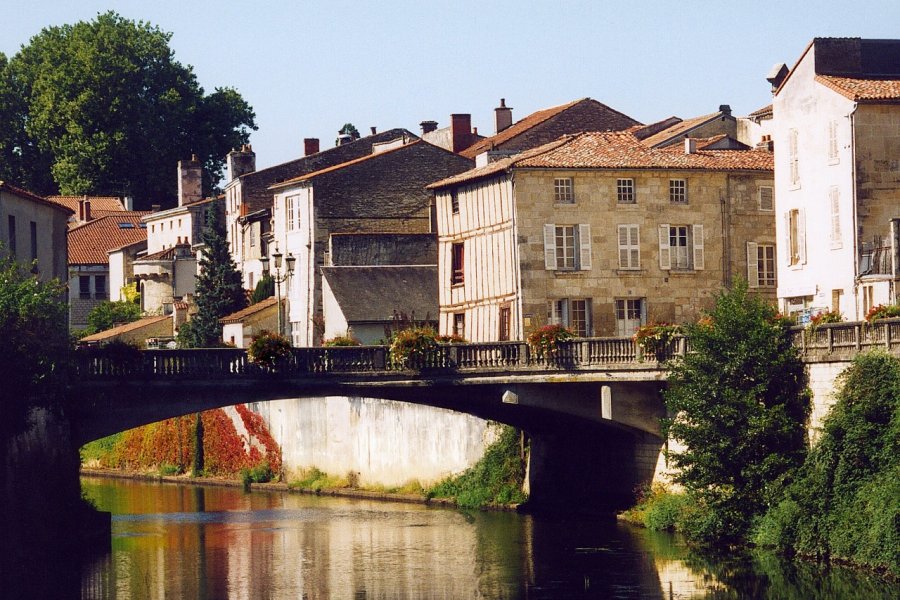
(587, 353)
(841, 341)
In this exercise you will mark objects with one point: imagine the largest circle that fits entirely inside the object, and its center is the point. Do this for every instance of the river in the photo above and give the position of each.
(185, 541)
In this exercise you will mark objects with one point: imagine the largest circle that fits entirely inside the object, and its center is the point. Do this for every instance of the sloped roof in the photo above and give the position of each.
(617, 150)
(344, 165)
(866, 91)
(126, 328)
(32, 196)
(101, 203)
(89, 243)
(262, 305)
(374, 294)
(680, 129)
(760, 113)
(536, 118)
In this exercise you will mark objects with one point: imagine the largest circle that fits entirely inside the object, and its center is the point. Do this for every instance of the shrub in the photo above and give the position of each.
(342, 340)
(122, 355)
(883, 311)
(411, 347)
(655, 337)
(261, 473)
(658, 509)
(831, 316)
(268, 348)
(107, 315)
(544, 341)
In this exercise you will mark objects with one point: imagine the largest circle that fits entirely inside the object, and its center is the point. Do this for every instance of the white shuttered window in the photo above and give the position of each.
(629, 247)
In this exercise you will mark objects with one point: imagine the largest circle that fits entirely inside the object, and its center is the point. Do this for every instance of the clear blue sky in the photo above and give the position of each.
(307, 67)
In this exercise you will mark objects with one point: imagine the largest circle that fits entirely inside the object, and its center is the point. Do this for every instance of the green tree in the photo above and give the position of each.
(107, 315)
(351, 130)
(219, 288)
(102, 107)
(265, 288)
(36, 340)
(739, 405)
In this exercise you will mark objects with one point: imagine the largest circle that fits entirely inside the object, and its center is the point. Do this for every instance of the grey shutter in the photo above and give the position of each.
(550, 247)
(584, 243)
(699, 253)
(752, 265)
(665, 252)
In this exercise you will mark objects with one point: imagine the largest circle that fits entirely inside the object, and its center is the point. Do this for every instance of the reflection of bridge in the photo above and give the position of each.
(592, 408)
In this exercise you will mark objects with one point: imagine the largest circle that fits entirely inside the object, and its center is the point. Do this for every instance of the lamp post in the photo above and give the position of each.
(278, 277)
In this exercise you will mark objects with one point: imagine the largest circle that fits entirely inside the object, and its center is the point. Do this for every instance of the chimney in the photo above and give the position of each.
(777, 74)
(154, 208)
(343, 138)
(310, 146)
(460, 131)
(128, 201)
(374, 130)
(428, 126)
(725, 109)
(240, 162)
(690, 146)
(502, 116)
(84, 209)
(190, 181)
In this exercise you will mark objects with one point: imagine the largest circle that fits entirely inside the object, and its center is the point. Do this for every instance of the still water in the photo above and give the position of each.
(172, 541)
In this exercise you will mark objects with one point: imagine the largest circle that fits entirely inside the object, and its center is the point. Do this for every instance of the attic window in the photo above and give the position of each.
(142, 225)
(126, 225)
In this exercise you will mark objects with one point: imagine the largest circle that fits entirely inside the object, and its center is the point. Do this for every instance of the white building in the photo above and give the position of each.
(837, 176)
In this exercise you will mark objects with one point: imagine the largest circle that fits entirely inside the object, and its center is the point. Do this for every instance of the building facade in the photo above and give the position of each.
(33, 229)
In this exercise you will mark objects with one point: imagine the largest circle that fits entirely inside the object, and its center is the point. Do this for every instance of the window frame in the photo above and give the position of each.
(625, 191)
(459, 324)
(454, 201)
(561, 311)
(759, 198)
(563, 190)
(678, 193)
(631, 248)
(457, 264)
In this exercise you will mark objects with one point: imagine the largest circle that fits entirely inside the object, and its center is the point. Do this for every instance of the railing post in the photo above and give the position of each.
(887, 336)
(857, 329)
(830, 336)
(585, 353)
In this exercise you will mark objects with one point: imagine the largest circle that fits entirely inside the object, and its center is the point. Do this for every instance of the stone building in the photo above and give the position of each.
(674, 130)
(383, 192)
(33, 228)
(601, 233)
(837, 176)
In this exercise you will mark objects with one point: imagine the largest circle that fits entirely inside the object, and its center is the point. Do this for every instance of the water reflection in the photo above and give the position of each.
(207, 542)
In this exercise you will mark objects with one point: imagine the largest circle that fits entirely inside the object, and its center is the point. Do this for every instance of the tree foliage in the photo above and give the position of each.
(739, 405)
(36, 340)
(107, 315)
(265, 288)
(219, 289)
(103, 107)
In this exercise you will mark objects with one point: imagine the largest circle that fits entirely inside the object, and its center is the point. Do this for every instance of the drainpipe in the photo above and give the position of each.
(726, 233)
(516, 258)
(854, 211)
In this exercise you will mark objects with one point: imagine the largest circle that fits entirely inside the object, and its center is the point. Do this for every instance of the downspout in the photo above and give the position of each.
(517, 265)
(854, 211)
(726, 233)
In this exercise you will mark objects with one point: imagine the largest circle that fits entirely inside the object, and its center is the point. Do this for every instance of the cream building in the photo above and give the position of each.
(837, 176)
(33, 228)
(601, 233)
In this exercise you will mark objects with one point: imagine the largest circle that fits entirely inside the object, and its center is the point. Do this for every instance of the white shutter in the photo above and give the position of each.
(752, 265)
(665, 252)
(835, 197)
(584, 241)
(629, 247)
(699, 256)
(550, 247)
(801, 234)
(635, 243)
(624, 263)
(787, 238)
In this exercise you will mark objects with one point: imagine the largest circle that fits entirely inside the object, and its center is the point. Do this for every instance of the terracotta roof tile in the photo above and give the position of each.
(103, 203)
(126, 328)
(237, 317)
(343, 165)
(863, 90)
(765, 111)
(90, 242)
(31, 196)
(617, 150)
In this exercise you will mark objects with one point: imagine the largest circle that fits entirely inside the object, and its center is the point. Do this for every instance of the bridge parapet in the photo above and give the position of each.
(842, 341)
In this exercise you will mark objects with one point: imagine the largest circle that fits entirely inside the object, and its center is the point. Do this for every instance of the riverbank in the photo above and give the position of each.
(346, 492)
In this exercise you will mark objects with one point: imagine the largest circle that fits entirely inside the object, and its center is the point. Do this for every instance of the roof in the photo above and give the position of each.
(32, 196)
(344, 165)
(90, 242)
(167, 254)
(374, 294)
(102, 203)
(535, 119)
(162, 214)
(680, 129)
(617, 150)
(863, 90)
(239, 316)
(126, 328)
(761, 113)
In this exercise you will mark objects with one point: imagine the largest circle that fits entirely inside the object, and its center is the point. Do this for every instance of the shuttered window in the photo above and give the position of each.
(681, 247)
(567, 247)
(629, 247)
(834, 200)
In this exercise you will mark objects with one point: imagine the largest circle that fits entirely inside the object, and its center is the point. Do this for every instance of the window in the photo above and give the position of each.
(459, 324)
(868, 293)
(84, 286)
(793, 158)
(505, 320)
(563, 190)
(100, 287)
(681, 247)
(457, 264)
(833, 156)
(760, 265)
(834, 200)
(631, 313)
(34, 241)
(291, 208)
(252, 235)
(766, 198)
(678, 191)
(836, 300)
(796, 233)
(454, 201)
(11, 222)
(572, 313)
(250, 281)
(567, 247)
(625, 191)
(629, 247)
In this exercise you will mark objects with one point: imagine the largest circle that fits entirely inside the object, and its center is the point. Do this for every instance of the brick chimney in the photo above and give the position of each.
(84, 209)
(190, 181)
(502, 116)
(428, 126)
(240, 162)
(310, 146)
(460, 131)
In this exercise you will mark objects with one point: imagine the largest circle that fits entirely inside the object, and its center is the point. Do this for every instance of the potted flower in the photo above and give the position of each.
(656, 338)
(268, 349)
(882, 311)
(544, 341)
(412, 347)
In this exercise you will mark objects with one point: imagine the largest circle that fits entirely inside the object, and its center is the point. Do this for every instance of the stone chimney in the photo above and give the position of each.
(190, 181)
(460, 131)
(155, 208)
(310, 146)
(374, 130)
(84, 209)
(240, 162)
(428, 126)
(690, 146)
(725, 109)
(502, 116)
(128, 201)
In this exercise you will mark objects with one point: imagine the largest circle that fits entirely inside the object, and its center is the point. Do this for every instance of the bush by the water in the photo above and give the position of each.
(659, 509)
(844, 502)
(496, 479)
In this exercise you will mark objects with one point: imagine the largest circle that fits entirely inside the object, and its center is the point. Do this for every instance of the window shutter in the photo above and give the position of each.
(801, 234)
(835, 197)
(635, 242)
(752, 265)
(550, 247)
(787, 238)
(699, 258)
(665, 252)
(584, 241)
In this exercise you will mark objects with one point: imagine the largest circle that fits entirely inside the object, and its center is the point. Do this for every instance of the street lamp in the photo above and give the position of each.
(278, 277)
